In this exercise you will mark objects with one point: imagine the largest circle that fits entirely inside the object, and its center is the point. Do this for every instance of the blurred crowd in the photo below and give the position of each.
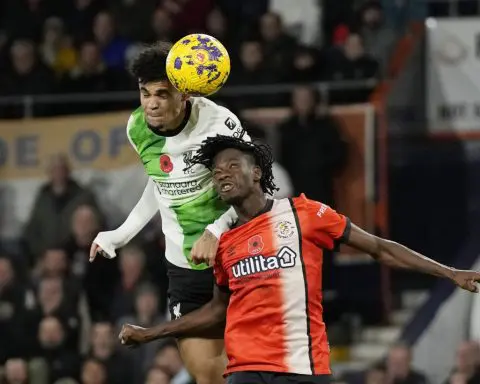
(84, 46)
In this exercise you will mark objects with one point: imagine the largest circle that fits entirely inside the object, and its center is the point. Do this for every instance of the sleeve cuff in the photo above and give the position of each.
(213, 229)
(346, 232)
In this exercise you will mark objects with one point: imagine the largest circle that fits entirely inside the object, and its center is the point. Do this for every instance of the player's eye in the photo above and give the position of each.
(233, 165)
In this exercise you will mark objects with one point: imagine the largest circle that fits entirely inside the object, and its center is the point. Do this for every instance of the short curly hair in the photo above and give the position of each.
(261, 154)
(149, 65)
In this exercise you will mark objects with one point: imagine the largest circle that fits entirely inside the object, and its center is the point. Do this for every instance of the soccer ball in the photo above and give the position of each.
(198, 65)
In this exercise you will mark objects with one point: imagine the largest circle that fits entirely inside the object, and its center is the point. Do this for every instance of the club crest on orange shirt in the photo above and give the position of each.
(255, 245)
(284, 229)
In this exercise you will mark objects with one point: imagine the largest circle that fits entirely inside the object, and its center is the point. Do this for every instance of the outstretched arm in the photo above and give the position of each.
(140, 215)
(192, 324)
(397, 255)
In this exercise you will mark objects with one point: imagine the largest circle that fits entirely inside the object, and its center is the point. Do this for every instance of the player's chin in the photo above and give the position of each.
(231, 198)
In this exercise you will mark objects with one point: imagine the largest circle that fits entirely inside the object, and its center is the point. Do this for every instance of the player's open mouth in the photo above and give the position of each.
(226, 187)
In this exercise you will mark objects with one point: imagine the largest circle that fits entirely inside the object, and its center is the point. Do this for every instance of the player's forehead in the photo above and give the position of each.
(156, 86)
(229, 154)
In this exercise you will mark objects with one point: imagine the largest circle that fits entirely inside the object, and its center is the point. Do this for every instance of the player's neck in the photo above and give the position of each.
(251, 207)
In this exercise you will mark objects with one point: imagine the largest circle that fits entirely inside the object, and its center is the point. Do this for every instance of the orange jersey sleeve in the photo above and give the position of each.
(221, 277)
(326, 226)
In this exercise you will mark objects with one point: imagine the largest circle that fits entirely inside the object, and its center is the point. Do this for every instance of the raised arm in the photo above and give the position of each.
(140, 215)
(192, 324)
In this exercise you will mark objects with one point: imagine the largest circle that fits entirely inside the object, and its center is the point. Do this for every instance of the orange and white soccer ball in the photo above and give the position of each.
(198, 65)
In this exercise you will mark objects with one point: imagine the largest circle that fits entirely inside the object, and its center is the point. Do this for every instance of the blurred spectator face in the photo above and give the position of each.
(16, 371)
(82, 4)
(353, 47)
(372, 17)
(55, 262)
(465, 359)
(398, 362)
(102, 340)
(50, 333)
(271, 26)
(216, 23)
(303, 61)
(58, 170)
(251, 55)
(53, 31)
(376, 376)
(85, 225)
(93, 372)
(132, 262)
(146, 304)
(161, 23)
(168, 360)
(50, 294)
(157, 376)
(23, 56)
(303, 101)
(90, 58)
(458, 378)
(103, 28)
(6, 272)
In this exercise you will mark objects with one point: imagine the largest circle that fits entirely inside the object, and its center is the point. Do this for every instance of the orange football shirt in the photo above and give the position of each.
(272, 267)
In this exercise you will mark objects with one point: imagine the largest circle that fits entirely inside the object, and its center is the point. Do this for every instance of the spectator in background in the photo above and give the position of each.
(169, 361)
(311, 147)
(57, 49)
(399, 366)
(280, 175)
(79, 16)
(466, 363)
(457, 378)
(278, 46)
(62, 362)
(15, 301)
(53, 207)
(146, 315)
(243, 15)
(188, 15)
(162, 26)
(157, 376)
(131, 17)
(113, 47)
(375, 375)
(133, 274)
(16, 372)
(217, 26)
(307, 65)
(379, 39)
(32, 14)
(94, 372)
(103, 349)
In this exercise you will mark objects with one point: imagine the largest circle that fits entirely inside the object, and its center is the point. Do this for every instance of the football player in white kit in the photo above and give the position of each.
(166, 131)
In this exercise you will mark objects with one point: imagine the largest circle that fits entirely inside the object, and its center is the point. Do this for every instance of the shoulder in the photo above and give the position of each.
(135, 121)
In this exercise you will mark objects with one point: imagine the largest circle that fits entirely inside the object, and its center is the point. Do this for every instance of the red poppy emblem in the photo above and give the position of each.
(255, 245)
(166, 164)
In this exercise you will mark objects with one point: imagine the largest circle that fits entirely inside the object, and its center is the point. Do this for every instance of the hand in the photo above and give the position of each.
(132, 335)
(96, 249)
(104, 245)
(466, 279)
(205, 249)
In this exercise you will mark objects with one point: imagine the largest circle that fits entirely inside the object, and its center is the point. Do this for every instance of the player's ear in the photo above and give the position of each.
(257, 173)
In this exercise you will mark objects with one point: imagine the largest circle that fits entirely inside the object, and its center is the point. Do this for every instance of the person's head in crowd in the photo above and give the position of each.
(375, 375)
(53, 31)
(93, 372)
(90, 58)
(304, 60)
(216, 24)
(51, 334)
(340, 35)
(7, 273)
(103, 28)
(50, 294)
(58, 172)
(146, 303)
(132, 264)
(304, 101)
(85, 225)
(23, 56)
(162, 24)
(54, 262)
(102, 340)
(271, 26)
(251, 55)
(16, 371)
(466, 359)
(372, 14)
(458, 378)
(82, 4)
(353, 47)
(157, 376)
(399, 361)
(168, 358)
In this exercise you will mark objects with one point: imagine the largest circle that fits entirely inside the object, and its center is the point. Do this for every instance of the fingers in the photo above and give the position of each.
(93, 251)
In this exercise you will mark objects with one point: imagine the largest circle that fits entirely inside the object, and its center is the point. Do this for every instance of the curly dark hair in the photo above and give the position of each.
(149, 65)
(261, 153)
